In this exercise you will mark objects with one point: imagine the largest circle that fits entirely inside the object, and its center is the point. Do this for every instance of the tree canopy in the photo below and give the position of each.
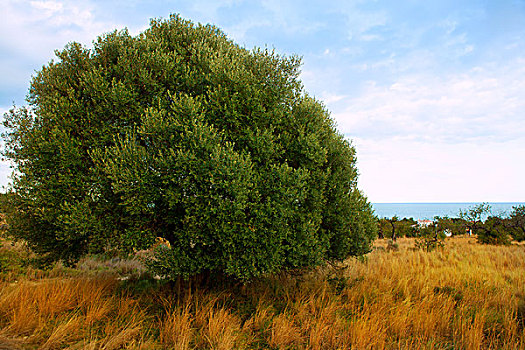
(180, 133)
(516, 223)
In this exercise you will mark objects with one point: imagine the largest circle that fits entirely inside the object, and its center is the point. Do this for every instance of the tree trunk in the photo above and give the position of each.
(393, 231)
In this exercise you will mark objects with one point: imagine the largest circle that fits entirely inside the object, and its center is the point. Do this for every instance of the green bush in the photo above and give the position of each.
(394, 228)
(179, 133)
(473, 217)
(430, 237)
(494, 231)
(453, 226)
(516, 223)
(429, 242)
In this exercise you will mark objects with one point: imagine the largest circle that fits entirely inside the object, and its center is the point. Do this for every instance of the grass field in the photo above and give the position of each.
(463, 296)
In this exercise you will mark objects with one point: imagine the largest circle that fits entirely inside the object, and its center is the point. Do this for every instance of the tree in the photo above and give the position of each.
(394, 228)
(392, 221)
(431, 236)
(474, 215)
(407, 227)
(181, 134)
(384, 228)
(387, 227)
(494, 231)
(516, 223)
(455, 226)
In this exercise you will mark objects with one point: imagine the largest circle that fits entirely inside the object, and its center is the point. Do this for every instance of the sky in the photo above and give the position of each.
(430, 93)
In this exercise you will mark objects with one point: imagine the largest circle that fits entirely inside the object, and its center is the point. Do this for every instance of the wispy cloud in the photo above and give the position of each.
(43, 24)
(451, 137)
(360, 22)
(32, 30)
(209, 11)
(485, 103)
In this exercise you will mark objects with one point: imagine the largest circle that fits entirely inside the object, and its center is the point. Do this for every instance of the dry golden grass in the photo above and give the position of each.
(176, 329)
(464, 296)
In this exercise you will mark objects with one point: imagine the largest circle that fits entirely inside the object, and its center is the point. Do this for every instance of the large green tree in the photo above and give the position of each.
(180, 133)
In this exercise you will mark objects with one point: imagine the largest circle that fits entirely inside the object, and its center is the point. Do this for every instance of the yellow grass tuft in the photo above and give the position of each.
(284, 332)
(176, 330)
(123, 338)
(222, 329)
(65, 333)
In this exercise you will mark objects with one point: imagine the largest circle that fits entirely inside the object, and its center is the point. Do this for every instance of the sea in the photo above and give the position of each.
(427, 211)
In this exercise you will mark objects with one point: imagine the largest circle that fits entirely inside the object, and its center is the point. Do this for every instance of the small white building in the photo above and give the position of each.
(425, 223)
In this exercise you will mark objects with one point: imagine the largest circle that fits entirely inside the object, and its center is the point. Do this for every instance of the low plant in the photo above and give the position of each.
(429, 241)
(494, 231)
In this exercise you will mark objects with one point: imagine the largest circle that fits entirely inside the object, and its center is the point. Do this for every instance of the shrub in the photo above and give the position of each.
(179, 133)
(430, 237)
(394, 228)
(473, 217)
(429, 242)
(454, 226)
(494, 231)
(516, 223)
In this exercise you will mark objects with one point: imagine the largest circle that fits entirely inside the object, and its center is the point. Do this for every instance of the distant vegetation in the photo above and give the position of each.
(477, 220)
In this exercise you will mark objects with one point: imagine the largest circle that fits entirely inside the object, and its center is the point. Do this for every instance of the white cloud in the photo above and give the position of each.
(288, 16)
(33, 30)
(329, 98)
(49, 7)
(275, 14)
(449, 25)
(467, 49)
(475, 106)
(360, 22)
(43, 26)
(210, 9)
(451, 138)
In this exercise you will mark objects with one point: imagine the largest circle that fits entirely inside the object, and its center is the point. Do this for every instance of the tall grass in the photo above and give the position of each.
(464, 296)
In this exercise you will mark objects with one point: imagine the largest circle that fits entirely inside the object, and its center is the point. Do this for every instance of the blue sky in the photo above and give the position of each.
(431, 93)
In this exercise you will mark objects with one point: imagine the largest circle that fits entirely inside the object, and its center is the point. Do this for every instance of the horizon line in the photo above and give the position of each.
(441, 202)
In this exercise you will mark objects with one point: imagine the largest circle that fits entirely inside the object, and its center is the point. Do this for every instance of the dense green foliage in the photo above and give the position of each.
(406, 227)
(493, 231)
(516, 223)
(473, 217)
(451, 226)
(179, 133)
